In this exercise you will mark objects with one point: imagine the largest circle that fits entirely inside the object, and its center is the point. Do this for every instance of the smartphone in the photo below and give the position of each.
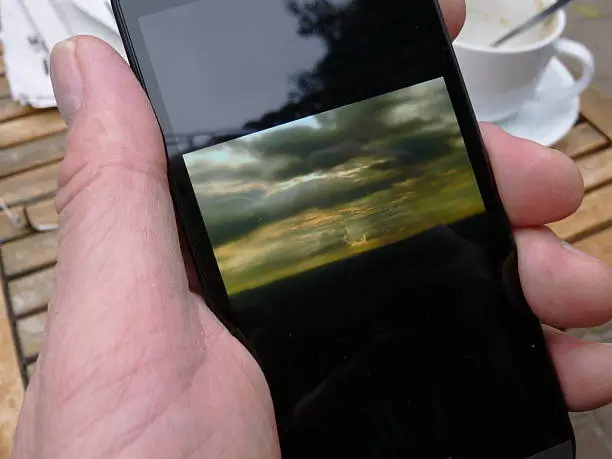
(330, 178)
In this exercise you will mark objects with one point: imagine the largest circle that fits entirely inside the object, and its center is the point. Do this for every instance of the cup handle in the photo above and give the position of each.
(580, 53)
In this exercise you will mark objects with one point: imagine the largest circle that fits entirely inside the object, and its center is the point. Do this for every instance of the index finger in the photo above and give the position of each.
(454, 15)
(537, 185)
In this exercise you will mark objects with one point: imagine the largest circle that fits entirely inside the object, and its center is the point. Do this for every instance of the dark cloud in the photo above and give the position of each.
(254, 210)
(202, 173)
(237, 199)
(233, 215)
(300, 151)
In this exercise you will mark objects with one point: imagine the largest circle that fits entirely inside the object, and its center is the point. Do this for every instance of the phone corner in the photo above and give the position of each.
(565, 450)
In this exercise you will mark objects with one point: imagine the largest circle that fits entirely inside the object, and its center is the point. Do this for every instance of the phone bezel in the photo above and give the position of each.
(192, 224)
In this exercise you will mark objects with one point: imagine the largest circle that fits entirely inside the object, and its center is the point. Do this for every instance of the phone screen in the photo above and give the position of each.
(336, 192)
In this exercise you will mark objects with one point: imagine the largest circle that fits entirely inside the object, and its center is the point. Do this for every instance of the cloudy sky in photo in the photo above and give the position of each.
(324, 188)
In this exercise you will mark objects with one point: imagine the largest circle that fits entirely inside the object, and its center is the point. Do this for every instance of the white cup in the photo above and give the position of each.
(501, 80)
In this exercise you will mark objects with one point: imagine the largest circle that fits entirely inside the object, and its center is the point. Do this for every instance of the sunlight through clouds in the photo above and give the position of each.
(324, 188)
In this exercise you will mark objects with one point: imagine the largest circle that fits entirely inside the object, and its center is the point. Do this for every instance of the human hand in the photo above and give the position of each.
(135, 365)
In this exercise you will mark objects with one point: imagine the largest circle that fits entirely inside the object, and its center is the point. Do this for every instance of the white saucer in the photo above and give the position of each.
(546, 122)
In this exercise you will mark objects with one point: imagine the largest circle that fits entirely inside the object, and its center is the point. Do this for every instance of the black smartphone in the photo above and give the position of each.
(330, 177)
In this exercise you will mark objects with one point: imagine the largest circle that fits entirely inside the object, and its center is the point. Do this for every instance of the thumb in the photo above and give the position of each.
(120, 276)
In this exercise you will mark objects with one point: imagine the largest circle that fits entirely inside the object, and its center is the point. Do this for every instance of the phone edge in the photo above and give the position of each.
(496, 196)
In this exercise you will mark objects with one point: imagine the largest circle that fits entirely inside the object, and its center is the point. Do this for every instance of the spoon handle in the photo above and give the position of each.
(532, 22)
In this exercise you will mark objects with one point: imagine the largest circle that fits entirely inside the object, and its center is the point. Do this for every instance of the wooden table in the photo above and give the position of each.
(31, 146)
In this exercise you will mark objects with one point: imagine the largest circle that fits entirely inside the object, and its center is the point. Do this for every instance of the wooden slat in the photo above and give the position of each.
(596, 107)
(29, 128)
(11, 387)
(30, 185)
(30, 253)
(582, 139)
(31, 333)
(26, 156)
(31, 292)
(9, 109)
(595, 212)
(7, 230)
(42, 214)
(599, 245)
(5, 90)
(596, 168)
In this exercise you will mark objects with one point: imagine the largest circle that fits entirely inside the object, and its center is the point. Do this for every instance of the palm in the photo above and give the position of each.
(174, 391)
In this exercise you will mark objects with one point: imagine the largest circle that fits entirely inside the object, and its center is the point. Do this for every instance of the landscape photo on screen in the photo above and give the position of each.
(332, 186)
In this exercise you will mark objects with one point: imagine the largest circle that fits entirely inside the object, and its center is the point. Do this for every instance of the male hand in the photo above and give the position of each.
(135, 364)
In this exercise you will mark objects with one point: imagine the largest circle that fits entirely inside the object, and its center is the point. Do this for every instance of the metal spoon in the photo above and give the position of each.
(532, 22)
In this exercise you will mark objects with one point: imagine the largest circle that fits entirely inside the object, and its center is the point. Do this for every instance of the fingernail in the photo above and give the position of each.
(67, 79)
(574, 250)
